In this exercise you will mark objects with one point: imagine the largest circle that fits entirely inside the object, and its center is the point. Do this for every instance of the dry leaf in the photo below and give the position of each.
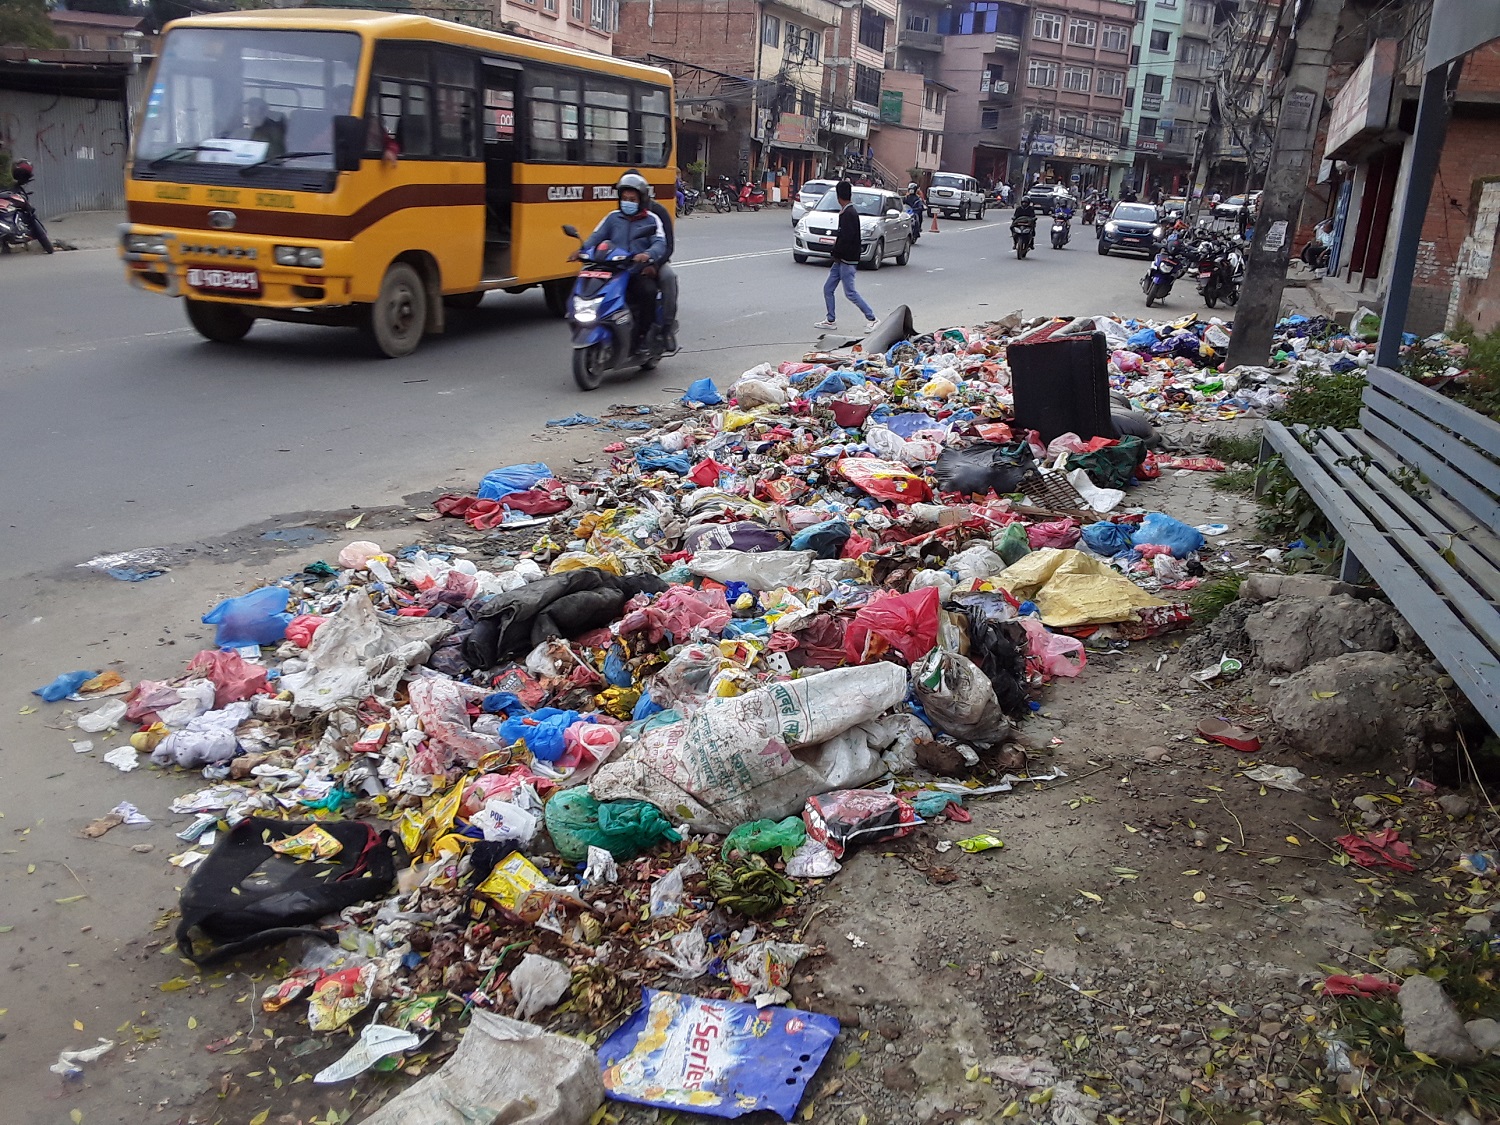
(260, 1118)
(77, 1025)
(351, 525)
(192, 1023)
(1091, 896)
(1199, 896)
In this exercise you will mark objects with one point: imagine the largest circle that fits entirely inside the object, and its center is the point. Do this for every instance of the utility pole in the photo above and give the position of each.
(1313, 26)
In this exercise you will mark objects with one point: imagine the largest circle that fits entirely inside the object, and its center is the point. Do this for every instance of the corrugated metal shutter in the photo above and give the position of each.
(78, 146)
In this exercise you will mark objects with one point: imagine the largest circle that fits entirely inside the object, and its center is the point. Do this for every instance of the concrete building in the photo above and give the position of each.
(979, 54)
(1073, 102)
(855, 80)
(95, 31)
(582, 24)
(909, 142)
(1242, 42)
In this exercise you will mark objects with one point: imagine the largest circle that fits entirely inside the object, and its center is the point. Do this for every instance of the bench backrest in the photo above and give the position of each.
(1455, 448)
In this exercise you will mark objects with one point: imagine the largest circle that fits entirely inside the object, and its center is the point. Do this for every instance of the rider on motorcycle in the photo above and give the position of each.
(634, 228)
(913, 200)
(666, 276)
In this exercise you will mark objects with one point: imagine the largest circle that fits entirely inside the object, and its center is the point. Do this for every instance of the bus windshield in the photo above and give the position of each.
(249, 96)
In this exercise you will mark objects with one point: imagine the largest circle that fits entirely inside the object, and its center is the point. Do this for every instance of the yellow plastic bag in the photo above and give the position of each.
(1072, 588)
(313, 842)
(512, 880)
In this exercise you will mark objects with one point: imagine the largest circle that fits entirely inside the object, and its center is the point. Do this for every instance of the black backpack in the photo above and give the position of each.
(244, 896)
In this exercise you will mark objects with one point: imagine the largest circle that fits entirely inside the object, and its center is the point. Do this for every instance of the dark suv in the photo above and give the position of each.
(1129, 227)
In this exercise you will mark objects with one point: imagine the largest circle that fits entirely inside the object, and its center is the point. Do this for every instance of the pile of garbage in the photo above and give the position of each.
(807, 614)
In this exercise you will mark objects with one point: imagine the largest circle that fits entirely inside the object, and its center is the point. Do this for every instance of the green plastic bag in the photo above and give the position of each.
(625, 829)
(1011, 544)
(763, 835)
(1113, 465)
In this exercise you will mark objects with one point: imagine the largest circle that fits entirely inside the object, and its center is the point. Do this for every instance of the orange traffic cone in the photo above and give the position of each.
(934, 223)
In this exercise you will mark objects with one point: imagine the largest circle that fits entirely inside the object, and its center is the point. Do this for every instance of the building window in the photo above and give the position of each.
(1106, 128)
(1152, 84)
(1146, 128)
(1072, 125)
(1082, 33)
(1206, 97)
(992, 80)
(975, 17)
(1041, 73)
(1047, 25)
(872, 29)
(1111, 83)
(809, 104)
(812, 44)
(602, 15)
(866, 84)
(1166, 3)
(1115, 38)
(1161, 40)
(1190, 52)
(1216, 59)
(577, 10)
(918, 23)
(1041, 120)
(1187, 92)
(1079, 79)
(989, 119)
(1199, 11)
(549, 5)
(770, 31)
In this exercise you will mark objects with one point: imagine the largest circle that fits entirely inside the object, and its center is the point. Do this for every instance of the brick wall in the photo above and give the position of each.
(1471, 154)
(719, 34)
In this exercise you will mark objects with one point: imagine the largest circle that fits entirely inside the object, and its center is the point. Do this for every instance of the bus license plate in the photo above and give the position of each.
(224, 281)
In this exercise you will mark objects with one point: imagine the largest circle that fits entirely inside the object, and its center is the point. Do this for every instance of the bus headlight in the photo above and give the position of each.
(145, 244)
(309, 257)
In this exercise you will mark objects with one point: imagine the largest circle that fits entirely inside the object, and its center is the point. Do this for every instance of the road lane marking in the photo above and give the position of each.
(732, 257)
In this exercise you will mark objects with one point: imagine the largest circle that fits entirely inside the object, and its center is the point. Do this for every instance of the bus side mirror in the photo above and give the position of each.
(348, 142)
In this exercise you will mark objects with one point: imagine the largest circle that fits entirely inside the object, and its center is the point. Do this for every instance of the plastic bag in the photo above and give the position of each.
(625, 829)
(702, 392)
(837, 820)
(538, 983)
(1013, 545)
(906, 622)
(1060, 533)
(234, 678)
(357, 555)
(765, 836)
(108, 714)
(978, 561)
(543, 731)
(959, 699)
(1168, 532)
(982, 468)
(667, 892)
(764, 570)
(64, 686)
(1055, 653)
(1107, 539)
(256, 618)
(812, 860)
(825, 540)
(885, 480)
(500, 483)
(1111, 466)
(738, 535)
(501, 822)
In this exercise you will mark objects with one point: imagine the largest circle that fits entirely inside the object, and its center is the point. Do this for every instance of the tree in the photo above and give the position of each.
(24, 23)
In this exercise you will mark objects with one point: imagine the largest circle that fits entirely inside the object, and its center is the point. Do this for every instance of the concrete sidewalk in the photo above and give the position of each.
(86, 230)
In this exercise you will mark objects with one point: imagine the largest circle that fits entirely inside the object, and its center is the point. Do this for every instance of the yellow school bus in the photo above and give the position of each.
(347, 167)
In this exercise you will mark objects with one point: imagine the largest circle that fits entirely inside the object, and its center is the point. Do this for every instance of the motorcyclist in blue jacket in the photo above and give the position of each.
(632, 227)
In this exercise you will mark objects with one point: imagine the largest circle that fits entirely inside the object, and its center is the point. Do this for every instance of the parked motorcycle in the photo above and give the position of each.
(751, 195)
(1062, 228)
(1220, 270)
(687, 201)
(1023, 235)
(601, 319)
(1168, 265)
(19, 223)
(721, 195)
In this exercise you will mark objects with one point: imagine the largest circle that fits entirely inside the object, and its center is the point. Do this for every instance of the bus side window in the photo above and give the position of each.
(552, 105)
(654, 115)
(457, 129)
(401, 99)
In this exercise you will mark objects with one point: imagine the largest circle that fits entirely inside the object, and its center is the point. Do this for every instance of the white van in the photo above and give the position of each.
(953, 195)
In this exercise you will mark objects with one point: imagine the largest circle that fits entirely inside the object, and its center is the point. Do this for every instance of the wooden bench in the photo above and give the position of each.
(1415, 496)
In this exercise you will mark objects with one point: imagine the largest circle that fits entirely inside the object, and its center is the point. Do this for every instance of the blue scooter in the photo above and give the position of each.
(602, 323)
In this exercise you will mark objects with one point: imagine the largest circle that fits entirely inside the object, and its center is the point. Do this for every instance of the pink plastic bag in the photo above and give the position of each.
(233, 677)
(1065, 443)
(1054, 653)
(300, 629)
(587, 744)
(1061, 533)
(907, 623)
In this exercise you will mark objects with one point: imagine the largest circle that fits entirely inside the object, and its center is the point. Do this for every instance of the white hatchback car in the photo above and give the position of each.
(809, 195)
(884, 229)
(951, 194)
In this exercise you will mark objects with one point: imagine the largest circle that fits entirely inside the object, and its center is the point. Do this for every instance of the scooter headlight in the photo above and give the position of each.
(586, 309)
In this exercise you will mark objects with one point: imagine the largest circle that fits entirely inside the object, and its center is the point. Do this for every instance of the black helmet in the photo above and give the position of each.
(22, 172)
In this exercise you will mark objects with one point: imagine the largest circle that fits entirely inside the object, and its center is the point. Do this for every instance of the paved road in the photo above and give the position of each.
(123, 429)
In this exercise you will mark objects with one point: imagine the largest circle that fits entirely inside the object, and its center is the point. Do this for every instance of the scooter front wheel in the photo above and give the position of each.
(589, 366)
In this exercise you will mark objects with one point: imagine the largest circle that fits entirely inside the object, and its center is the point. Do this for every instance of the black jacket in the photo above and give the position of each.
(848, 244)
(666, 221)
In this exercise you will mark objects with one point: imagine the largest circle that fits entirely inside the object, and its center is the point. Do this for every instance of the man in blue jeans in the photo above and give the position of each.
(847, 245)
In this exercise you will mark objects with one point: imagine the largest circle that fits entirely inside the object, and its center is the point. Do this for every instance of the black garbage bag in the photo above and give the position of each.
(243, 895)
(519, 620)
(981, 467)
(998, 647)
(1113, 465)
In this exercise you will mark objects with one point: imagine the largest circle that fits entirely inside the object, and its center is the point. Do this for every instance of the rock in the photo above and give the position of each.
(1290, 633)
(1367, 804)
(889, 1030)
(1267, 587)
(899, 1077)
(1355, 707)
(1399, 959)
(1484, 1034)
(1456, 805)
(1478, 924)
(1432, 1023)
(1060, 961)
(1155, 753)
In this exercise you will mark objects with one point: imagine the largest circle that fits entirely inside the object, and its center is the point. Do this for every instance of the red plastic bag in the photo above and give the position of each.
(907, 623)
(1198, 464)
(856, 545)
(300, 629)
(1060, 533)
(1378, 849)
(1365, 985)
(885, 480)
(705, 474)
(1149, 468)
(147, 698)
(1054, 654)
(233, 677)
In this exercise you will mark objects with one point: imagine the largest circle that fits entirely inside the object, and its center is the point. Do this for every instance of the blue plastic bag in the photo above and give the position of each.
(1145, 338)
(1165, 531)
(256, 618)
(1105, 538)
(645, 707)
(614, 667)
(715, 1057)
(542, 731)
(826, 538)
(906, 425)
(653, 457)
(702, 392)
(64, 686)
(500, 483)
(506, 701)
(837, 382)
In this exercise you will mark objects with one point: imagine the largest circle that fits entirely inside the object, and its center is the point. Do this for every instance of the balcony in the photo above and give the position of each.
(823, 12)
(1009, 43)
(920, 40)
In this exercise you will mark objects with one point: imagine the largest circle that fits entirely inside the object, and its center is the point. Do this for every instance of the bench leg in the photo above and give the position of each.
(1267, 451)
(1349, 568)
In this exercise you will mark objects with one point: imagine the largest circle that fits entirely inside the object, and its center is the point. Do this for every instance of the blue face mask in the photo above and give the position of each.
(629, 206)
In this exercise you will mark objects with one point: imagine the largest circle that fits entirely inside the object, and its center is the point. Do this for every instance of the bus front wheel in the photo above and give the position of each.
(221, 323)
(398, 318)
